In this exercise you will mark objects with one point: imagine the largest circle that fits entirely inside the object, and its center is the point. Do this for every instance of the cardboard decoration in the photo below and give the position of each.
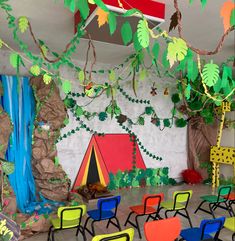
(9, 230)
(154, 12)
(107, 154)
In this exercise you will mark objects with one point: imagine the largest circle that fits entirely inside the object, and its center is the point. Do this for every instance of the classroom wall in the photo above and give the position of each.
(170, 143)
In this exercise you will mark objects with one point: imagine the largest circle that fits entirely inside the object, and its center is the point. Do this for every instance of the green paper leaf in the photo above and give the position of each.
(102, 116)
(126, 32)
(141, 121)
(100, 4)
(165, 61)
(203, 2)
(181, 122)
(112, 75)
(210, 74)
(175, 98)
(130, 12)
(66, 86)
(47, 79)
(187, 91)
(149, 110)
(23, 24)
(83, 8)
(143, 74)
(176, 50)
(232, 18)
(81, 76)
(137, 45)
(78, 111)
(56, 160)
(166, 122)
(1, 43)
(143, 33)
(217, 86)
(155, 50)
(14, 60)
(112, 22)
(35, 70)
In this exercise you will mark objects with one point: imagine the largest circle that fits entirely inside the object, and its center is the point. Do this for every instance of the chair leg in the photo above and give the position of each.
(118, 223)
(211, 209)
(166, 213)
(138, 226)
(233, 237)
(49, 234)
(189, 220)
(108, 224)
(199, 206)
(93, 227)
(229, 208)
(175, 213)
(128, 218)
(86, 223)
(53, 235)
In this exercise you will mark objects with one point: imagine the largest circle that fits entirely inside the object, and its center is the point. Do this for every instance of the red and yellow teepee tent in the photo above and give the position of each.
(107, 154)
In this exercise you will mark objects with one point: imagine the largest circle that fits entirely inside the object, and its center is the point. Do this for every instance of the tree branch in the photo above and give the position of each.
(196, 50)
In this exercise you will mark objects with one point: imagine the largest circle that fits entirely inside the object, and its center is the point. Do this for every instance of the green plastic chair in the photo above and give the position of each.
(215, 201)
(230, 225)
(179, 203)
(125, 235)
(68, 217)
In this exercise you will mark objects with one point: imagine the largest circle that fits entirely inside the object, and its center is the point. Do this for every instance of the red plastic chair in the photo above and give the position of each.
(163, 230)
(150, 207)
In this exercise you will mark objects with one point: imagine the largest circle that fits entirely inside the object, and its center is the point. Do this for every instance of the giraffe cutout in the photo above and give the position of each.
(220, 154)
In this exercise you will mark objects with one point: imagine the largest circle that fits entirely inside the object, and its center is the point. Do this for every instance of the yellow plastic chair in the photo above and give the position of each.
(180, 202)
(125, 235)
(68, 217)
(230, 224)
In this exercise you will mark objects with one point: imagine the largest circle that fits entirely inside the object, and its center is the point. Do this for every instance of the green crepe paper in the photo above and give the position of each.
(102, 116)
(83, 8)
(149, 110)
(180, 123)
(66, 86)
(143, 33)
(175, 98)
(155, 50)
(126, 32)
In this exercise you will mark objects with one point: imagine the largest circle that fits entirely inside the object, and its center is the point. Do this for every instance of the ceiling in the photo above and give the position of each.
(53, 23)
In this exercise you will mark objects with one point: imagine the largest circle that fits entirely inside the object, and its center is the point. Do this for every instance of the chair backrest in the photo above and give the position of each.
(182, 196)
(162, 230)
(125, 235)
(152, 199)
(107, 204)
(212, 226)
(71, 213)
(224, 191)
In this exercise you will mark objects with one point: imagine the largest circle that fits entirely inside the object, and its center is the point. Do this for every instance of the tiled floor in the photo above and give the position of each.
(132, 197)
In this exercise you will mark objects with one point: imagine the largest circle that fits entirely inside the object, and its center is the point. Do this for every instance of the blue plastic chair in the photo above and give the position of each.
(205, 231)
(106, 210)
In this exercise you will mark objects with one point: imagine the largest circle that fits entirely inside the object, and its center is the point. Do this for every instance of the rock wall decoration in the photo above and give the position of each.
(50, 178)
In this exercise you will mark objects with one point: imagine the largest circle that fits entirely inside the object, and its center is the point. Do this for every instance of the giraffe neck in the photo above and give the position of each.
(218, 141)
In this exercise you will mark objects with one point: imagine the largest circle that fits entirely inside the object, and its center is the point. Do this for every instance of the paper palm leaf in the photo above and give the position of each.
(143, 33)
(210, 74)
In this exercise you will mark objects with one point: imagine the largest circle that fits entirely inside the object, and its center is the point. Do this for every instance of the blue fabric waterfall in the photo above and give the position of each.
(18, 102)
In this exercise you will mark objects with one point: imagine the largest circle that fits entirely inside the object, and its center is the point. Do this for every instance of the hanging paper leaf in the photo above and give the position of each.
(56, 161)
(35, 70)
(102, 116)
(47, 79)
(143, 74)
(91, 1)
(81, 76)
(126, 32)
(8, 167)
(187, 91)
(137, 45)
(203, 2)
(175, 98)
(149, 110)
(226, 13)
(155, 50)
(217, 86)
(174, 21)
(83, 8)
(141, 121)
(1, 43)
(112, 75)
(112, 22)
(117, 110)
(143, 33)
(14, 60)
(78, 111)
(210, 74)
(165, 61)
(66, 86)
(23, 24)
(232, 18)
(44, 49)
(181, 122)
(101, 5)
(176, 50)
(166, 123)
(102, 17)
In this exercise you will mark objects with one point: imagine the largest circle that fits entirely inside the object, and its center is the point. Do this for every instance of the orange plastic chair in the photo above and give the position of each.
(162, 230)
(231, 201)
(150, 207)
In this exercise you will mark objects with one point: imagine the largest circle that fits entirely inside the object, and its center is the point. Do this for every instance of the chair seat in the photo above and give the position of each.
(66, 223)
(169, 205)
(139, 209)
(193, 234)
(95, 214)
(230, 223)
(212, 199)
